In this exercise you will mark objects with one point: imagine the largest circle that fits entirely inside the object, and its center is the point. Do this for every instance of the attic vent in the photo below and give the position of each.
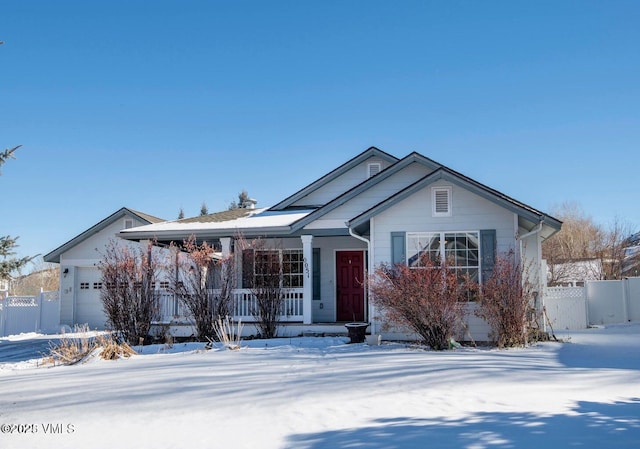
(374, 169)
(128, 223)
(441, 201)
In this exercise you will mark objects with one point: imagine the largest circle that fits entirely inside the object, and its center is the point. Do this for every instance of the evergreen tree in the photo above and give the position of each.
(9, 264)
(243, 201)
(203, 209)
(181, 214)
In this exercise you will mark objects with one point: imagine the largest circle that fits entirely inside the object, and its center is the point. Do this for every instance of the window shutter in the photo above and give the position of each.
(398, 254)
(488, 250)
(316, 274)
(247, 268)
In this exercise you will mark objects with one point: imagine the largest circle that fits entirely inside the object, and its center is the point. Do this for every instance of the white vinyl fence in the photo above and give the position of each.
(598, 302)
(21, 314)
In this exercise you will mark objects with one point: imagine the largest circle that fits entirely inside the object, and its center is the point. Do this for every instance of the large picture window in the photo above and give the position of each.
(459, 249)
(260, 267)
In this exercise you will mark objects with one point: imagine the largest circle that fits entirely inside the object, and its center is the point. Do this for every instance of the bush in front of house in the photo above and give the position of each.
(196, 271)
(428, 300)
(127, 293)
(506, 302)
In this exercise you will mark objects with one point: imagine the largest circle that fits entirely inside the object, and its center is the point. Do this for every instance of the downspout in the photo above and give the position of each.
(541, 284)
(368, 242)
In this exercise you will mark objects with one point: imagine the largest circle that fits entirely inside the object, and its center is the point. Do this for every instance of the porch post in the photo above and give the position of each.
(307, 280)
(225, 242)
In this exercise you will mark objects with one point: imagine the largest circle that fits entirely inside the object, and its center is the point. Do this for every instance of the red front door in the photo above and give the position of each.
(350, 285)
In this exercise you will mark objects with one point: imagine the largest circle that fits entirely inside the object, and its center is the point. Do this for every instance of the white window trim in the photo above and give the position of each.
(441, 236)
(434, 193)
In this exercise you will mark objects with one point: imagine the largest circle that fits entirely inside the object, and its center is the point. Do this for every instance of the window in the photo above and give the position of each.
(373, 169)
(84, 286)
(268, 267)
(441, 201)
(292, 268)
(128, 223)
(461, 250)
(97, 285)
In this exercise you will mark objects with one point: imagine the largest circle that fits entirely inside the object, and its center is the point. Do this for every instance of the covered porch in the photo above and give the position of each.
(323, 287)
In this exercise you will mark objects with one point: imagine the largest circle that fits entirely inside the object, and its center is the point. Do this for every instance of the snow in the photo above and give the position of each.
(320, 392)
(259, 218)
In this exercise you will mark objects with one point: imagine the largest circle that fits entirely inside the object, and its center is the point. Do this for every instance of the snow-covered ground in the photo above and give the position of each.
(324, 393)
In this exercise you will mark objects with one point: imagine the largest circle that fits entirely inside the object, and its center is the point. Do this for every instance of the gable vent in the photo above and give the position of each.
(442, 201)
(374, 169)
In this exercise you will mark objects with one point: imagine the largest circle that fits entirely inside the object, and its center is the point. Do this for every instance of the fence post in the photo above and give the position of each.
(3, 311)
(625, 299)
(39, 314)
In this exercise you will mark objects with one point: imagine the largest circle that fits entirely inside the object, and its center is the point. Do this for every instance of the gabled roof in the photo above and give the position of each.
(367, 184)
(54, 256)
(286, 219)
(368, 153)
(522, 210)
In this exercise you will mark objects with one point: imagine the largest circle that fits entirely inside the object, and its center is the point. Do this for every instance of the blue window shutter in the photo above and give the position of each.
(398, 253)
(316, 274)
(488, 250)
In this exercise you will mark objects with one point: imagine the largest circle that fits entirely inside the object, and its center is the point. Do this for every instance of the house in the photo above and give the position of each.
(374, 208)
(80, 278)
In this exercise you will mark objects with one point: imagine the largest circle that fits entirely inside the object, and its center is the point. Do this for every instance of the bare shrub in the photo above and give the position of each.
(197, 272)
(427, 300)
(112, 348)
(72, 348)
(262, 273)
(75, 348)
(128, 297)
(228, 334)
(506, 302)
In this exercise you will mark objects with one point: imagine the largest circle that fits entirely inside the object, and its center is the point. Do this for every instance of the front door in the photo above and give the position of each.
(350, 285)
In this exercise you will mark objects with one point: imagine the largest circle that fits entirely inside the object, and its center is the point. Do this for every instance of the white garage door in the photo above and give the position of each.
(88, 305)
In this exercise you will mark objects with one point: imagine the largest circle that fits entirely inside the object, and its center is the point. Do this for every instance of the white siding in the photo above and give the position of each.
(372, 196)
(470, 212)
(92, 248)
(341, 184)
(67, 292)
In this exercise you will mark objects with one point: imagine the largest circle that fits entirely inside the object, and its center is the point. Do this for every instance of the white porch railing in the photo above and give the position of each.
(244, 303)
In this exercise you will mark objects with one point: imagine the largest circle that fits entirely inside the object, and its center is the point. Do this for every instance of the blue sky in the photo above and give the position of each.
(162, 105)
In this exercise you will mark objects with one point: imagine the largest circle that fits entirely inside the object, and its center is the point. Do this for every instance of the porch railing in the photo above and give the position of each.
(244, 303)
